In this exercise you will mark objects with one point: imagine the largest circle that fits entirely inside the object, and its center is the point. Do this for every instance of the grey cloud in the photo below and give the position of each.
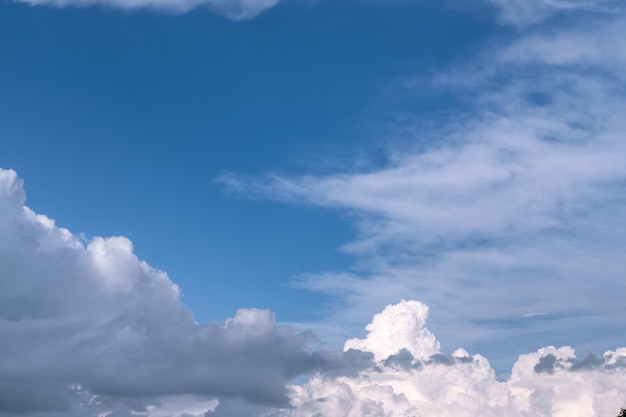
(91, 324)
(590, 361)
(93, 316)
(546, 364)
(338, 363)
(549, 363)
(441, 359)
(28, 396)
(403, 359)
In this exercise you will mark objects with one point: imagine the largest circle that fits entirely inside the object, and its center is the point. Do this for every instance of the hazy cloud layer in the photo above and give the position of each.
(506, 217)
(88, 322)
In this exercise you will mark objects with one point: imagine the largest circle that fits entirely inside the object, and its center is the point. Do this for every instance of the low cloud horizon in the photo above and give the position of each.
(88, 329)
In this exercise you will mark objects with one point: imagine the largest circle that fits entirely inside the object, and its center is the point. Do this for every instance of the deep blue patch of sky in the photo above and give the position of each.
(119, 122)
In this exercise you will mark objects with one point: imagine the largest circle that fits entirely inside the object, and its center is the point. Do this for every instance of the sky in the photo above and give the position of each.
(265, 208)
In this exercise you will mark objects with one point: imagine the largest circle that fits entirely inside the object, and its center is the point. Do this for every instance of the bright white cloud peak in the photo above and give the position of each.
(89, 330)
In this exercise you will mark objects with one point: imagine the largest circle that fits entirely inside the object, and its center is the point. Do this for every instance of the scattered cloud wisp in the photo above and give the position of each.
(232, 9)
(507, 209)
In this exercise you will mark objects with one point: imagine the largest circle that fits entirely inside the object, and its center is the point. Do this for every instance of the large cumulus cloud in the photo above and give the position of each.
(414, 378)
(89, 323)
(417, 379)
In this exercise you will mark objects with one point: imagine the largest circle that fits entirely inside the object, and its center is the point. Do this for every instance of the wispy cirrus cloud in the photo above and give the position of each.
(524, 13)
(232, 9)
(510, 12)
(512, 207)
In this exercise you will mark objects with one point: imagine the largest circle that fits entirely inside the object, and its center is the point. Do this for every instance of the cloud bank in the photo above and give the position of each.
(89, 330)
(414, 378)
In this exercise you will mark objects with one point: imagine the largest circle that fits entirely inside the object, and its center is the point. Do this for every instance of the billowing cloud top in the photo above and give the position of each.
(402, 325)
(416, 379)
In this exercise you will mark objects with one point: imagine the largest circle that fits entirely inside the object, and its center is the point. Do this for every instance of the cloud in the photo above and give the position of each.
(86, 328)
(524, 13)
(233, 9)
(510, 205)
(89, 330)
(460, 384)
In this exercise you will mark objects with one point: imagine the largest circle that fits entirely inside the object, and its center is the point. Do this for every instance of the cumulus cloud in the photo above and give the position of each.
(460, 384)
(86, 328)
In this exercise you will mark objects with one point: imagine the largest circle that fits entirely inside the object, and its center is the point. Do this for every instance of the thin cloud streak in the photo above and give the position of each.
(525, 13)
(510, 12)
(232, 9)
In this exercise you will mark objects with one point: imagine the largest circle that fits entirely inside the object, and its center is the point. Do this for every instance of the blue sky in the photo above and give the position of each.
(120, 121)
(316, 160)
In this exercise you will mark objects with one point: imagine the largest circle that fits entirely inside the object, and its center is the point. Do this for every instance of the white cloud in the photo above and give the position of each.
(233, 9)
(523, 13)
(403, 325)
(431, 383)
